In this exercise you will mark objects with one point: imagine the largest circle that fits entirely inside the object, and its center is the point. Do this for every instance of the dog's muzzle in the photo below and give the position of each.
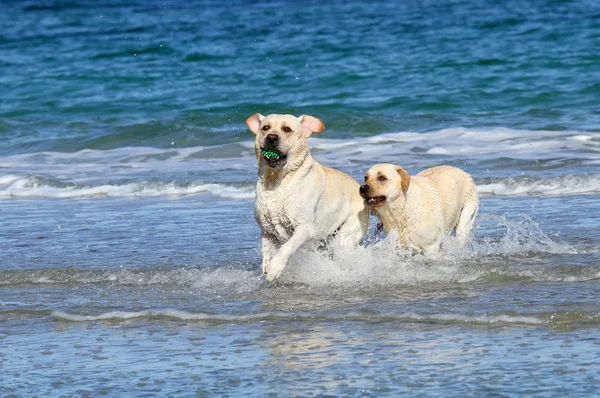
(370, 201)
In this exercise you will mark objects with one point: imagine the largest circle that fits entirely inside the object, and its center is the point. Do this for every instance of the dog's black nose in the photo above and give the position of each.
(272, 139)
(364, 190)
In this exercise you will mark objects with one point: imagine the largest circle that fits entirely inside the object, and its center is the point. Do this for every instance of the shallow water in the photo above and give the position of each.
(105, 306)
(128, 250)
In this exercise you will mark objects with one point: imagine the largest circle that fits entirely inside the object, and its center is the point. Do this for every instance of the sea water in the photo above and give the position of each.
(129, 255)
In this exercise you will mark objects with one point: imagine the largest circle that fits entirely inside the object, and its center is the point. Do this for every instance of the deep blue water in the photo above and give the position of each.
(129, 253)
(102, 75)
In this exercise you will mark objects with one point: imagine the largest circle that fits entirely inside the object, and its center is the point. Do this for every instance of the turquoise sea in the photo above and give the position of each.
(129, 255)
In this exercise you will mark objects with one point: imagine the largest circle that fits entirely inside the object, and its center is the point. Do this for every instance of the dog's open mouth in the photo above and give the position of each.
(273, 157)
(376, 200)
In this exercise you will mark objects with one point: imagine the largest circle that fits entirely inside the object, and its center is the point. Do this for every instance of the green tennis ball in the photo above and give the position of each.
(269, 154)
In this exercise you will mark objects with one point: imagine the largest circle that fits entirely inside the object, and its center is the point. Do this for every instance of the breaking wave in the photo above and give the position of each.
(557, 186)
(37, 187)
(229, 170)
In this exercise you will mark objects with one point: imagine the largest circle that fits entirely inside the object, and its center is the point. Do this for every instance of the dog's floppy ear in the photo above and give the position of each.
(253, 122)
(311, 125)
(404, 176)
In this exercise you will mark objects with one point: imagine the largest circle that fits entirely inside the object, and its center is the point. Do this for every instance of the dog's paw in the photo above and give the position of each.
(271, 277)
(264, 267)
(273, 270)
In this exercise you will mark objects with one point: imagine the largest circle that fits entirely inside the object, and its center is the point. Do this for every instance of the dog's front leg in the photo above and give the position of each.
(302, 234)
(269, 246)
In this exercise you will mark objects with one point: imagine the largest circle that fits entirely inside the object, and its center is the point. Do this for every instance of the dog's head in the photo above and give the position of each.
(384, 182)
(281, 139)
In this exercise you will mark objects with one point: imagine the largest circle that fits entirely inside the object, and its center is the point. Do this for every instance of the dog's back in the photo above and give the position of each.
(458, 195)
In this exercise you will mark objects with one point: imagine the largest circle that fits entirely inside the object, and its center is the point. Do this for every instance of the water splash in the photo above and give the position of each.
(382, 263)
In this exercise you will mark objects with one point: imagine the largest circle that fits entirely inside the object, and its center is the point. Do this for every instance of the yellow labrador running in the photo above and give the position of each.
(423, 208)
(297, 199)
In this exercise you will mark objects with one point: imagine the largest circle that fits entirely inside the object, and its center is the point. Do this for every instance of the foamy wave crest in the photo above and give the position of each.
(36, 187)
(567, 185)
(93, 172)
(266, 316)
(419, 148)
(8, 180)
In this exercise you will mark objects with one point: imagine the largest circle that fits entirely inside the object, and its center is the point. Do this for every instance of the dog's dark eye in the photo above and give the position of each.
(266, 127)
(366, 178)
(286, 129)
(382, 178)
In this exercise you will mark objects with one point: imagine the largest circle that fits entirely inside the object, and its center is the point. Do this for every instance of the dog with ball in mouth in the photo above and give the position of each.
(297, 199)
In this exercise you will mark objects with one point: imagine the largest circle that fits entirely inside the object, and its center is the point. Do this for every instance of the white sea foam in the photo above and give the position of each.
(35, 187)
(567, 185)
(229, 170)
(8, 179)
(477, 144)
(279, 315)
(31, 187)
(394, 147)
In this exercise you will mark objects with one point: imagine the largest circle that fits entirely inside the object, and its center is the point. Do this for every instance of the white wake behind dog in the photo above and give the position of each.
(424, 208)
(297, 199)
